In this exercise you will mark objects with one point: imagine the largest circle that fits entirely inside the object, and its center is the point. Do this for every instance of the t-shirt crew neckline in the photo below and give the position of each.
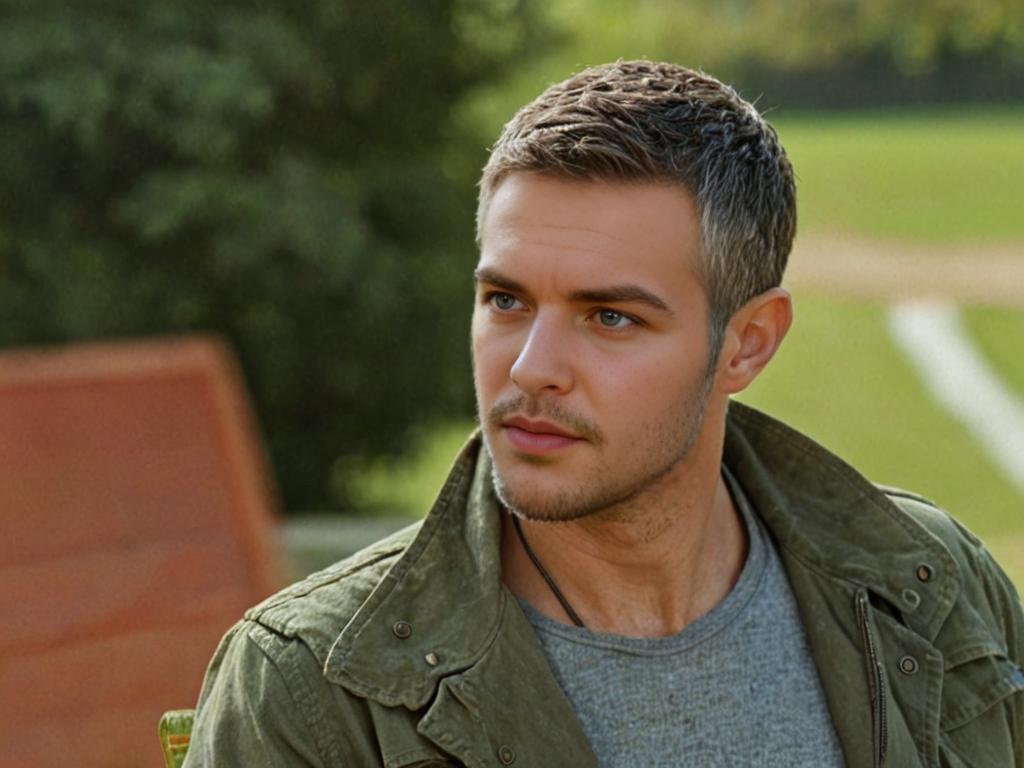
(697, 632)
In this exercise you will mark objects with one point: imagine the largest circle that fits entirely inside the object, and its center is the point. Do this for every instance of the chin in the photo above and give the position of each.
(530, 500)
(529, 497)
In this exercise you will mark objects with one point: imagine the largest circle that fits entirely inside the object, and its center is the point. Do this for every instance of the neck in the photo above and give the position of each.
(646, 568)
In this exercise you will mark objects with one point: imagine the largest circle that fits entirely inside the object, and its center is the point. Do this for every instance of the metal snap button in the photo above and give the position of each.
(911, 598)
(908, 665)
(924, 572)
(506, 754)
(402, 630)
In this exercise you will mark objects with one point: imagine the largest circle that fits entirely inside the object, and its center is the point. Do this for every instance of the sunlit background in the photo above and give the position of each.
(295, 180)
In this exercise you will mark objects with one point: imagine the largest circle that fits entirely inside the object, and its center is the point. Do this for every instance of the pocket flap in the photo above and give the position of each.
(977, 679)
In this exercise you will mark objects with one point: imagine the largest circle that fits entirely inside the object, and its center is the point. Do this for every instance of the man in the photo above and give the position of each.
(623, 568)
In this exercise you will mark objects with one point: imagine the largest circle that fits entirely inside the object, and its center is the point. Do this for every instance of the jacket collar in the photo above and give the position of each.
(826, 515)
(447, 585)
(446, 589)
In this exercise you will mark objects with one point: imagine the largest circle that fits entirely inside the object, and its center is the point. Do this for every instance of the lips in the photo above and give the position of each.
(537, 437)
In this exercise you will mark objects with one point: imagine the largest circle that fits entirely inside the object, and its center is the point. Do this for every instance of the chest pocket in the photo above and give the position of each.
(399, 742)
(975, 724)
(421, 761)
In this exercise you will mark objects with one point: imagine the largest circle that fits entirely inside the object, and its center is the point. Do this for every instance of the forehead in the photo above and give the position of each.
(644, 231)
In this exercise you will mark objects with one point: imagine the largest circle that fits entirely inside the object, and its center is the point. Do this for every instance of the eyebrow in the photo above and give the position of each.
(616, 294)
(498, 280)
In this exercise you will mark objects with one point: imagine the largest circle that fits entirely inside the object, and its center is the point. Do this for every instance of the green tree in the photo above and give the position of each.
(796, 53)
(286, 173)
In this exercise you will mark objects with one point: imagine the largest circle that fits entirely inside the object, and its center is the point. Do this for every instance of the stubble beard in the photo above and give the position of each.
(602, 490)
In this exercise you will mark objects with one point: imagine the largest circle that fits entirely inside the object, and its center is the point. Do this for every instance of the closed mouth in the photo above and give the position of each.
(538, 427)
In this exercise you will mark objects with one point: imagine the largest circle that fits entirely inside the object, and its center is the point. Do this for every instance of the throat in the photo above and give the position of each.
(563, 601)
(636, 578)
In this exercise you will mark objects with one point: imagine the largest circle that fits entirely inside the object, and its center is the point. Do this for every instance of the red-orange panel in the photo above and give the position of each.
(118, 725)
(103, 592)
(162, 665)
(81, 466)
(136, 526)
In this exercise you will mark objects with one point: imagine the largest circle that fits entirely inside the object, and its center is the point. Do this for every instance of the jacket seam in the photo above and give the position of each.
(933, 729)
(325, 580)
(965, 715)
(901, 493)
(973, 652)
(311, 715)
(420, 753)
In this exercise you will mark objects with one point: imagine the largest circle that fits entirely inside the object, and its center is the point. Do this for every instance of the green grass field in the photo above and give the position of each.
(407, 487)
(999, 334)
(931, 177)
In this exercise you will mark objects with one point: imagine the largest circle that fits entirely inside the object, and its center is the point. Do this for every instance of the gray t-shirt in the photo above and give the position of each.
(737, 687)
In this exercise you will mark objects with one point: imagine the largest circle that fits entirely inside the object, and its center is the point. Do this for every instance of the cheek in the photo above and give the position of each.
(638, 388)
(490, 358)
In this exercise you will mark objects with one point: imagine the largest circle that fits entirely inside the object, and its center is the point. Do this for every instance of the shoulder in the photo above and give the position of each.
(984, 587)
(934, 518)
(965, 547)
(263, 698)
(316, 609)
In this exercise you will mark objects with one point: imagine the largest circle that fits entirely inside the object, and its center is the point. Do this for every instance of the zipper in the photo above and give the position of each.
(876, 681)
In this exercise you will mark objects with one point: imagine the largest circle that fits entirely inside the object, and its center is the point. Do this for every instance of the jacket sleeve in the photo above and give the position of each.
(994, 598)
(1005, 599)
(252, 710)
(990, 602)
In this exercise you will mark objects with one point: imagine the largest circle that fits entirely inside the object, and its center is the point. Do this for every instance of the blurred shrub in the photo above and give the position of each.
(283, 172)
(813, 53)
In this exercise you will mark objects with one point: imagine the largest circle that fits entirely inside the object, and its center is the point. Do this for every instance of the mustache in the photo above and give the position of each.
(534, 408)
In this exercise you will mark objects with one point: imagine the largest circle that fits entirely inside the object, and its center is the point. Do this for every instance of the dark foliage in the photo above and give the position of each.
(286, 173)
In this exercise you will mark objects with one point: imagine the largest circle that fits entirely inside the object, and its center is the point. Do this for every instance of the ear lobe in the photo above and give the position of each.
(753, 336)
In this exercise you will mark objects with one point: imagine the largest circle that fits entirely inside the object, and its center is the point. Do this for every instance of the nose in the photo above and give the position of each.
(544, 362)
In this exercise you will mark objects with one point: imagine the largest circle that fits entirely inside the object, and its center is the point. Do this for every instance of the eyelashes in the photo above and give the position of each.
(607, 319)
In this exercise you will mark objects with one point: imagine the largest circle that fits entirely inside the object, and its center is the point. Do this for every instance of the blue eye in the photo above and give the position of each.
(609, 318)
(503, 301)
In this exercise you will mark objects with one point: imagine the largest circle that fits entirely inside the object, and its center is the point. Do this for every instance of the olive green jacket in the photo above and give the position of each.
(413, 653)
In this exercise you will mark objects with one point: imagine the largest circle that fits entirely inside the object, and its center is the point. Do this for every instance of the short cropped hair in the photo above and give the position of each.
(643, 121)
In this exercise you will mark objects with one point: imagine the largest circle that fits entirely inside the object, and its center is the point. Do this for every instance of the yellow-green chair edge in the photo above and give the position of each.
(175, 734)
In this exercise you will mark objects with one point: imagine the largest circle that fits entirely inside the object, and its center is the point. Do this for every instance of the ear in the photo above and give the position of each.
(753, 335)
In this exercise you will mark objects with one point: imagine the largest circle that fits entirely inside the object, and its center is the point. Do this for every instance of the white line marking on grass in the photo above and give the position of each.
(932, 336)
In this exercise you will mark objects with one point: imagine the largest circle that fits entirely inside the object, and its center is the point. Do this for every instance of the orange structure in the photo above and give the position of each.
(135, 527)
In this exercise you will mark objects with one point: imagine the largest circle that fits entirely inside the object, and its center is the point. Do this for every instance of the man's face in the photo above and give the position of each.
(590, 341)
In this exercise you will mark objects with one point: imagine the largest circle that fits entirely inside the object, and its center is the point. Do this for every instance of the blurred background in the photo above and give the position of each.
(296, 179)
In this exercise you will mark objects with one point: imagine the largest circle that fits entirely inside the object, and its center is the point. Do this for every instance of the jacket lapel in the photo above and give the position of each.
(508, 706)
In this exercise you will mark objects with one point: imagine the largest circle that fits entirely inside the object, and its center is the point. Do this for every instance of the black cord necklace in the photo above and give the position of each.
(546, 576)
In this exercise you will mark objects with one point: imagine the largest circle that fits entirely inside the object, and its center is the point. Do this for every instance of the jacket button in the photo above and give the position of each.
(911, 598)
(924, 572)
(402, 630)
(432, 659)
(506, 754)
(907, 665)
